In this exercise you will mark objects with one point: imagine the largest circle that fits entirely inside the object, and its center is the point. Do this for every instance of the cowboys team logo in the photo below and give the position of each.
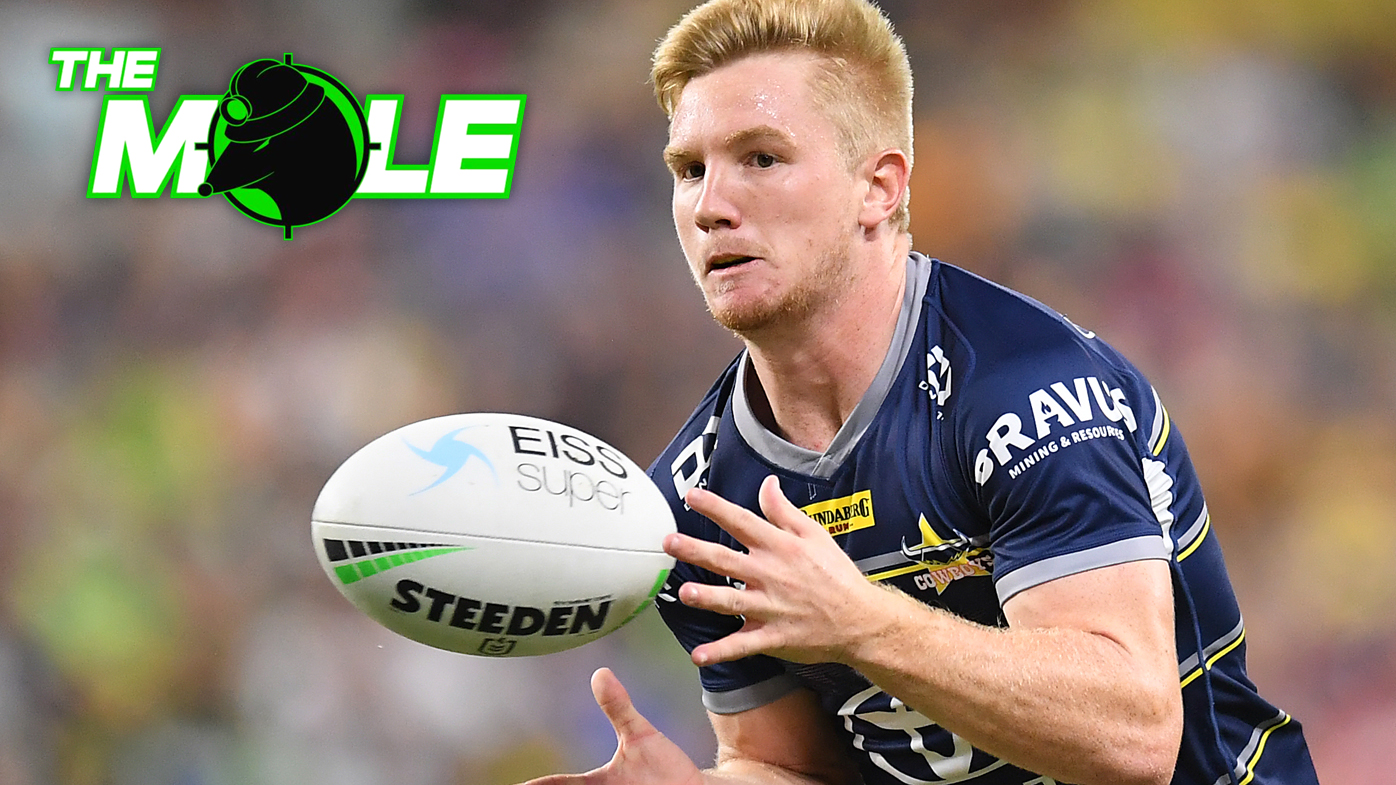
(948, 560)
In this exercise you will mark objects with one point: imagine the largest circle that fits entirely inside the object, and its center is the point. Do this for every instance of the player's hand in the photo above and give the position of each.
(803, 599)
(644, 756)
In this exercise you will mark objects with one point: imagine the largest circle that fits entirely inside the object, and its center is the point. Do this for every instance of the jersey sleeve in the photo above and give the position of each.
(1056, 460)
(728, 687)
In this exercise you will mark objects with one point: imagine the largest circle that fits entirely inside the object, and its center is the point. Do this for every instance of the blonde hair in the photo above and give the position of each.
(863, 84)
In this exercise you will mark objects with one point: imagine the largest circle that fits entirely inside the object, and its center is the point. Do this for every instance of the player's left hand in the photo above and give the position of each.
(803, 599)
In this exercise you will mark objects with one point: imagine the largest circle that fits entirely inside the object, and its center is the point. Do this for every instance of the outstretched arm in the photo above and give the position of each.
(1082, 686)
(786, 742)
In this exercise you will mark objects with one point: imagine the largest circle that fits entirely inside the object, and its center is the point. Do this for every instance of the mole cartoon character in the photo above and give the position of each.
(288, 145)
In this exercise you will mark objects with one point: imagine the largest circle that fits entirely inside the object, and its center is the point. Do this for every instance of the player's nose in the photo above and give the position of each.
(715, 206)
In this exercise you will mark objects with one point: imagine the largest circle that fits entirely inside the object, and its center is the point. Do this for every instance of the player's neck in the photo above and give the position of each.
(809, 376)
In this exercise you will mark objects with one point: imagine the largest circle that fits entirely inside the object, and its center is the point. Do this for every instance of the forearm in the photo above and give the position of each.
(749, 772)
(1065, 703)
(1082, 686)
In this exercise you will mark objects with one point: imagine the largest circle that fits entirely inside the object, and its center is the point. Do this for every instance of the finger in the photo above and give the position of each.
(615, 703)
(562, 779)
(779, 510)
(748, 527)
(709, 555)
(719, 599)
(743, 643)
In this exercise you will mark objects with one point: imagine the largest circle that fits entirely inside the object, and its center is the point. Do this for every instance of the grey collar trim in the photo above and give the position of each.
(798, 459)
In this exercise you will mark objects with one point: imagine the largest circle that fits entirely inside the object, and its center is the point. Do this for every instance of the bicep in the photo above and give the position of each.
(1130, 604)
(792, 738)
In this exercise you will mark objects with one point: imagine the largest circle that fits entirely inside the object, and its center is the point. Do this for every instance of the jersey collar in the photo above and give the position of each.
(792, 457)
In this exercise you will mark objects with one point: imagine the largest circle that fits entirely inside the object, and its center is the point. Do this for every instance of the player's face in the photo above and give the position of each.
(764, 203)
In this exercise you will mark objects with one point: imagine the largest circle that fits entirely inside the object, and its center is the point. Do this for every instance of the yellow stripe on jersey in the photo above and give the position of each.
(1213, 659)
(881, 576)
(1250, 765)
(1202, 535)
(1163, 437)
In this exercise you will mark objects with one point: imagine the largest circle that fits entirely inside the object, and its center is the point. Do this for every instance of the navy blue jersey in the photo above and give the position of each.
(999, 447)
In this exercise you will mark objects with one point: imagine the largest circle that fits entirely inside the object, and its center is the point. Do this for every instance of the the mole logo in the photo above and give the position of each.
(288, 145)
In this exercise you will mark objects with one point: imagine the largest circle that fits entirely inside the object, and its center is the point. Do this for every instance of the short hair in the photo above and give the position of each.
(863, 85)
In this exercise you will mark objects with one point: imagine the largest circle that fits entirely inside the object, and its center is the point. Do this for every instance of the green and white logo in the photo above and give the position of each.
(288, 144)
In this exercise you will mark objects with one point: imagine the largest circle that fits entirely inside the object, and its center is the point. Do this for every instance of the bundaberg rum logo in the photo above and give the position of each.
(287, 144)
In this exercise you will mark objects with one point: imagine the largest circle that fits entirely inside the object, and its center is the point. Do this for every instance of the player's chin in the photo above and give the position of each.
(744, 312)
(743, 321)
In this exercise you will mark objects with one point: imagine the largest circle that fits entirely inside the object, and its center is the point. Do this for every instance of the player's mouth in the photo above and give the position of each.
(727, 262)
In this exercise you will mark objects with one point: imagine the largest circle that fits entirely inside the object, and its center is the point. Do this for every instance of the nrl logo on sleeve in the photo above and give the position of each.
(843, 515)
(937, 383)
(287, 144)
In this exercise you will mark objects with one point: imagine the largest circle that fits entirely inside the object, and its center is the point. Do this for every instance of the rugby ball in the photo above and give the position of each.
(490, 534)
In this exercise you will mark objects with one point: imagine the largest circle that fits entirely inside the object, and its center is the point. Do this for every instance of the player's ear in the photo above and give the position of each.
(887, 175)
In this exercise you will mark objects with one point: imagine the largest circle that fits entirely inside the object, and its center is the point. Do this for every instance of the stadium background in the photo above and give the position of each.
(1210, 186)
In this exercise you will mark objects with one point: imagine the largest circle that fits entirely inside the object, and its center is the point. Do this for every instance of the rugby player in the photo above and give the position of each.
(929, 530)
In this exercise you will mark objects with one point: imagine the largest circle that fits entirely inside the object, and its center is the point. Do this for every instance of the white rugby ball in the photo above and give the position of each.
(493, 534)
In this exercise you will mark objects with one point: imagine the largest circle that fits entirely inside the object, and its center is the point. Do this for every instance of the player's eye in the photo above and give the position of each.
(691, 170)
(763, 160)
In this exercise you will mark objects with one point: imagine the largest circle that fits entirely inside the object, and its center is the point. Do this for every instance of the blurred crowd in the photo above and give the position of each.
(1209, 186)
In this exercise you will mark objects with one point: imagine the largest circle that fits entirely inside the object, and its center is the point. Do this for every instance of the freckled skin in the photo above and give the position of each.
(793, 210)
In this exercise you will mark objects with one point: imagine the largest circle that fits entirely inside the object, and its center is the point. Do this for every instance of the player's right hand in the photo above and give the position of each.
(644, 756)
